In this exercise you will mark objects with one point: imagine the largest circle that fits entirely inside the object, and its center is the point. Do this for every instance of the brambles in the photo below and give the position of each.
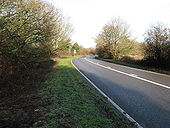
(30, 31)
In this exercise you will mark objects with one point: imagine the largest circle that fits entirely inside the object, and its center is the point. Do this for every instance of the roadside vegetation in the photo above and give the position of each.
(114, 40)
(115, 44)
(30, 33)
(58, 97)
(38, 91)
(75, 103)
(35, 90)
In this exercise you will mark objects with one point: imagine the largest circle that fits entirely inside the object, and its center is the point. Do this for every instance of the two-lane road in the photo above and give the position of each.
(144, 95)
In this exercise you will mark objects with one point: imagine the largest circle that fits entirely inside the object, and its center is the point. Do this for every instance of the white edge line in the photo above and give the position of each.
(110, 100)
(127, 74)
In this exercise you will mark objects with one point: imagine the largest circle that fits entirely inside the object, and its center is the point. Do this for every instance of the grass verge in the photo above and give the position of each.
(75, 103)
(158, 70)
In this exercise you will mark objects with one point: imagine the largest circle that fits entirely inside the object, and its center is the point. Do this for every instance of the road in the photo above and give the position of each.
(144, 95)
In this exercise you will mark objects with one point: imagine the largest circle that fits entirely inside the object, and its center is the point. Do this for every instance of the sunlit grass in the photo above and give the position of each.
(75, 103)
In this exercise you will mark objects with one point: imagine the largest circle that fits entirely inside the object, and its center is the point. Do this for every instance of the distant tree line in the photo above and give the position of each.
(86, 51)
(29, 31)
(115, 42)
(80, 50)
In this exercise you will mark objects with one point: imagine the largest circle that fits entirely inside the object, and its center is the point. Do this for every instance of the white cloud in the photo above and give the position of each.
(89, 16)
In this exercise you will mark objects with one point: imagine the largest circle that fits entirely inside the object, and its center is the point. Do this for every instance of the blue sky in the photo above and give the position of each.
(89, 16)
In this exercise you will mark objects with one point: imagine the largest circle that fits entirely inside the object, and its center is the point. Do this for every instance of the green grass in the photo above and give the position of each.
(159, 70)
(75, 103)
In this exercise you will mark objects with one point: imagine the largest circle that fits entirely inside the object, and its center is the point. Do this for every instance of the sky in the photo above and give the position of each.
(89, 16)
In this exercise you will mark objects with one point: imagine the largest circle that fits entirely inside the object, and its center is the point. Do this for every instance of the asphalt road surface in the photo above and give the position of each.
(144, 95)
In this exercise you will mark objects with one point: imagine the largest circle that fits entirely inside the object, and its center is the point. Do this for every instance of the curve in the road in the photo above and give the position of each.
(146, 102)
(110, 100)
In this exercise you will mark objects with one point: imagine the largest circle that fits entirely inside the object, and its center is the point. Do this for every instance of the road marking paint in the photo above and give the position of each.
(110, 100)
(134, 76)
(142, 70)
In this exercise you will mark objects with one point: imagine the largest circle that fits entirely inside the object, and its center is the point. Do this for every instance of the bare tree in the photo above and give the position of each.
(114, 38)
(157, 47)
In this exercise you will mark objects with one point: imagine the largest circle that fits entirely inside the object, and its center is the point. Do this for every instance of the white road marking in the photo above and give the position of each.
(110, 100)
(142, 70)
(134, 76)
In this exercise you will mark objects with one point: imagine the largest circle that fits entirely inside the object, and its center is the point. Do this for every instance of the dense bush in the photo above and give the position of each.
(157, 46)
(29, 31)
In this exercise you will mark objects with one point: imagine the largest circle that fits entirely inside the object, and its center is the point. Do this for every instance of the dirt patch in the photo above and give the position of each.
(20, 103)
